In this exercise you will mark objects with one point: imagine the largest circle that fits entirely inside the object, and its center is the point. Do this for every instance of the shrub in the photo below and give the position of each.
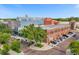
(74, 47)
(5, 49)
(39, 45)
(15, 46)
(5, 29)
(4, 38)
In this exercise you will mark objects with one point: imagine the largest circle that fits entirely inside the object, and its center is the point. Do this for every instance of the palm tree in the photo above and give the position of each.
(35, 34)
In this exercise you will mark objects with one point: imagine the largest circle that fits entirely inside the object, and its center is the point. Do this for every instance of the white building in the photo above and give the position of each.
(26, 20)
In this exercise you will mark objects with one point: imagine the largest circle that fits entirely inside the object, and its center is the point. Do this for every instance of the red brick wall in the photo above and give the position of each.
(49, 21)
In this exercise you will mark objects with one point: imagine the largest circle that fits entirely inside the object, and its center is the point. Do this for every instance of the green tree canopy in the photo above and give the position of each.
(4, 38)
(35, 34)
(16, 45)
(5, 29)
(6, 19)
(74, 47)
(5, 49)
(67, 19)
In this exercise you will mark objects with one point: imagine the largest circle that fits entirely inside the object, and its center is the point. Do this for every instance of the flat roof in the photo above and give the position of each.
(48, 27)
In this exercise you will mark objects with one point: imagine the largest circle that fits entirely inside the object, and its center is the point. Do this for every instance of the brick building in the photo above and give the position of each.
(54, 32)
(50, 21)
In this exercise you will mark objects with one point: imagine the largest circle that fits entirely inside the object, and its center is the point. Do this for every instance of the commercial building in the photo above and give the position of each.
(54, 32)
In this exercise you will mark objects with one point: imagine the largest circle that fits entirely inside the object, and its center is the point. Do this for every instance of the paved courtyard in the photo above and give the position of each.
(58, 50)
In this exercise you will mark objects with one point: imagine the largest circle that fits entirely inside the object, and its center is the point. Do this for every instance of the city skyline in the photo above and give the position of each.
(39, 10)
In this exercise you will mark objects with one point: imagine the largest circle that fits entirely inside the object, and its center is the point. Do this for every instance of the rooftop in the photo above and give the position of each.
(47, 27)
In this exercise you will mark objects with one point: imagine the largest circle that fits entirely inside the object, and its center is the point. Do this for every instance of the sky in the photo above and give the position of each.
(39, 10)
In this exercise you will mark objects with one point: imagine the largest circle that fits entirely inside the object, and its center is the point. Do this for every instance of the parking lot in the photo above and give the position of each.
(57, 50)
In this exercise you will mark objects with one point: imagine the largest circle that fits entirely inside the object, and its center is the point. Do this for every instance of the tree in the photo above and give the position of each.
(5, 49)
(40, 35)
(67, 19)
(5, 29)
(4, 38)
(35, 34)
(6, 19)
(74, 47)
(16, 45)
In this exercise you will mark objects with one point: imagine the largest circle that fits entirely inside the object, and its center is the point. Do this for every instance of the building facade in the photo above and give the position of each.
(50, 21)
(27, 20)
(52, 27)
(54, 32)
